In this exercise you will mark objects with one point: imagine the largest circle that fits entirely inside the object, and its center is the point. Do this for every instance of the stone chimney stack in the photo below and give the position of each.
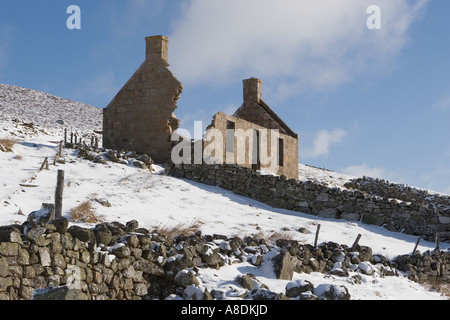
(252, 89)
(157, 48)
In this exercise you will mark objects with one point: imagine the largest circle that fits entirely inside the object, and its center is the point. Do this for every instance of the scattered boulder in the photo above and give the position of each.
(61, 224)
(193, 292)
(266, 294)
(83, 234)
(295, 288)
(145, 159)
(139, 164)
(185, 278)
(33, 231)
(120, 250)
(43, 215)
(283, 266)
(331, 292)
(132, 225)
(102, 234)
(246, 281)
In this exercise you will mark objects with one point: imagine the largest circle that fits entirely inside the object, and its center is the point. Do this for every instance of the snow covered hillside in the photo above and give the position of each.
(46, 110)
(122, 193)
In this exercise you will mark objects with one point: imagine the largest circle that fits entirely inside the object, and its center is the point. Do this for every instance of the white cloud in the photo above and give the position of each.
(323, 141)
(365, 170)
(443, 103)
(297, 43)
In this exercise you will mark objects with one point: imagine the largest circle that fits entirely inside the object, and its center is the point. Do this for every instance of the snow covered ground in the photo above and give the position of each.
(155, 199)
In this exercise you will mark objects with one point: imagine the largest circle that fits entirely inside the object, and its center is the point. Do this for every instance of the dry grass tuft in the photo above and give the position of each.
(440, 286)
(85, 213)
(6, 144)
(280, 236)
(178, 229)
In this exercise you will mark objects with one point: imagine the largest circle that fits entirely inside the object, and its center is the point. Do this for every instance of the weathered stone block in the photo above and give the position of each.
(8, 249)
(4, 268)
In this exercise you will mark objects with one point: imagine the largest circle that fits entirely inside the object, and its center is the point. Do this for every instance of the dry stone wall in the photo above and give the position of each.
(422, 218)
(48, 261)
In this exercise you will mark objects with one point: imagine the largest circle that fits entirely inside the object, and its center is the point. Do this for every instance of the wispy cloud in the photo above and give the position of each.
(315, 44)
(443, 103)
(323, 142)
(365, 170)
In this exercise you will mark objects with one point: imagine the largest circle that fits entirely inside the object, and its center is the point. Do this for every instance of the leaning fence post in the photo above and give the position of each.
(44, 164)
(317, 236)
(415, 247)
(356, 242)
(59, 194)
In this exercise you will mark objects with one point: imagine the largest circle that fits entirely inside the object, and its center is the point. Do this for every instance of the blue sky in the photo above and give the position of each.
(374, 102)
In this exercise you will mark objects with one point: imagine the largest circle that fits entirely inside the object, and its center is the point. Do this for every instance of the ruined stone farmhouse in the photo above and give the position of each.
(255, 137)
(141, 118)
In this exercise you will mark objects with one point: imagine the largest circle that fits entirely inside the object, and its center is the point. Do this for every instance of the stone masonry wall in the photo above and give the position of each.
(290, 146)
(415, 218)
(140, 117)
(112, 261)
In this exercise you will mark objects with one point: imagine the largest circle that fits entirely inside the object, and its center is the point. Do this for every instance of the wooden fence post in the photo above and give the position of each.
(44, 164)
(437, 241)
(356, 242)
(59, 194)
(415, 247)
(317, 236)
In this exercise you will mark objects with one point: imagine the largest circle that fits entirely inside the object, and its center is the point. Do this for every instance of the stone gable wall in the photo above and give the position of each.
(290, 145)
(140, 117)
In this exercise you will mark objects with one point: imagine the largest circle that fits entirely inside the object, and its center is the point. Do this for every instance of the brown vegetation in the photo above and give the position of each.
(178, 229)
(437, 285)
(84, 213)
(6, 144)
